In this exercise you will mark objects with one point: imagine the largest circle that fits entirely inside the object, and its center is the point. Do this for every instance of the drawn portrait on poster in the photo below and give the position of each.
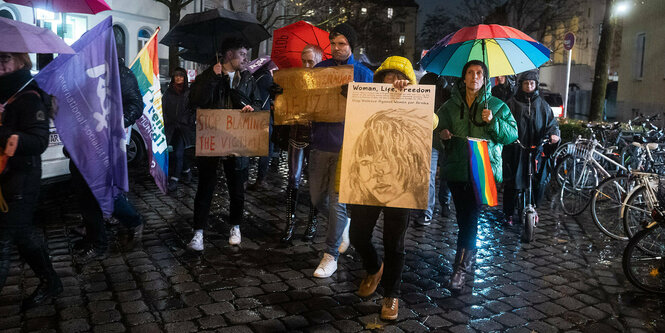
(387, 146)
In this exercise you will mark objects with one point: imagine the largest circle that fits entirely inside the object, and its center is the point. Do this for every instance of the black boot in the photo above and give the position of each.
(291, 201)
(49, 282)
(464, 262)
(313, 222)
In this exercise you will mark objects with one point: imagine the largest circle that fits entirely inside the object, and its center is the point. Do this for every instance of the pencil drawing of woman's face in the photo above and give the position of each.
(378, 175)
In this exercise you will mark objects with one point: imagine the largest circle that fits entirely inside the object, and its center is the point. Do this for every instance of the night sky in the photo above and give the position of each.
(428, 6)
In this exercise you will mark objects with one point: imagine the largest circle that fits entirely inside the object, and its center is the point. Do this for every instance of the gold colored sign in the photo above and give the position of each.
(311, 94)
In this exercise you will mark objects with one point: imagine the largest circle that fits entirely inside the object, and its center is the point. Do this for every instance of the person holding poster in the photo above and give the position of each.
(387, 184)
(325, 147)
(471, 112)
(225, 85)
(299, 138)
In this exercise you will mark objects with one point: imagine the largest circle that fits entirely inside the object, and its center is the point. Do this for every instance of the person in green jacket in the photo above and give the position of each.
(470, 112)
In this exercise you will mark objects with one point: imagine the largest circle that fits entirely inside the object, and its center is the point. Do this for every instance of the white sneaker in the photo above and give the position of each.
(197, 242)
(327, 267)
(234, 238)
(344, 245)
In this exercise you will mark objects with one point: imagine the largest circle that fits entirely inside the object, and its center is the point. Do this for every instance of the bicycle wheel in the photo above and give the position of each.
(636, 212)
(561, 169)
(576, 191)
(606, 206)
(646, 269)
(530, 219)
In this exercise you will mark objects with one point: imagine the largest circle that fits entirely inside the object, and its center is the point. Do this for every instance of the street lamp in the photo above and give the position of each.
(622, 8)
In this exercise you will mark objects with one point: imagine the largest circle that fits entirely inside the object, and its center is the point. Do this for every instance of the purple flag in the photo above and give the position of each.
(89, 118)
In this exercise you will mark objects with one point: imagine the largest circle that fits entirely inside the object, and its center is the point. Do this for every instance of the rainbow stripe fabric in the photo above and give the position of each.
(481, 173)
(151, 124)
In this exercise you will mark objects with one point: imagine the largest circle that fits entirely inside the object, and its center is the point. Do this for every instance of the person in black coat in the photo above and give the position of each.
(535, 122)
(264, 82)
(504, 88)
(95, 245)
(225, 85)
(180, 125)
(24, 126)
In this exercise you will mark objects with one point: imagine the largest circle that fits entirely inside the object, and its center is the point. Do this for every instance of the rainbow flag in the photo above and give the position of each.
(151, 124)
(482, 176)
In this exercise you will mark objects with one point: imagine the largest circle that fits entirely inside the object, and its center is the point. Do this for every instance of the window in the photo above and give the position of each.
(143, 38)
(401, 26)
(402, 40)
(640, 45)
(6, 13)
(363, 11)
(120, 41)
(390, 13)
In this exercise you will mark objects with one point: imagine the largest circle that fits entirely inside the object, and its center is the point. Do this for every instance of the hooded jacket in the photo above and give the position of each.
(535, 121)
(132, 101)
(454, 115)
(177, 114)
(212, 91)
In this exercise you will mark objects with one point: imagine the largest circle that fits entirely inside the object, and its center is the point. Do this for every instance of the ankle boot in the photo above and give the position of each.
(49, 282)
(313, 222)
(464, 262)
(291, 201)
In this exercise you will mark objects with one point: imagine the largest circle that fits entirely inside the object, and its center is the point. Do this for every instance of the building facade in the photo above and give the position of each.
(642, 70)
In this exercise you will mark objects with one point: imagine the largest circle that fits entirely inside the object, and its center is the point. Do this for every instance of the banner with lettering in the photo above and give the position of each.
(224, 132)
(311, 94)
(151, 124)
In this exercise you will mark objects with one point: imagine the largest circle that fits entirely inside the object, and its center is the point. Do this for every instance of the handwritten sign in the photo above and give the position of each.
(221, 132)
(311, 94)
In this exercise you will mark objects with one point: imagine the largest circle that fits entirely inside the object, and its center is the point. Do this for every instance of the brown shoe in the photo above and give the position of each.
(390, 308)
(369, 283)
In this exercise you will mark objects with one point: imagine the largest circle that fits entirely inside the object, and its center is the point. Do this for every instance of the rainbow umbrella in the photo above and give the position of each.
(505, 51)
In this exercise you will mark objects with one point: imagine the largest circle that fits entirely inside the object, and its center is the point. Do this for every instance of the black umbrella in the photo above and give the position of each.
(203, 33)
(203, 58)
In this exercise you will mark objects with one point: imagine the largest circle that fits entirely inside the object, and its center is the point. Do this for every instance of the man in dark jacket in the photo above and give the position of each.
(225, 85)
(95, 245)
(535, 122)
(504, 88)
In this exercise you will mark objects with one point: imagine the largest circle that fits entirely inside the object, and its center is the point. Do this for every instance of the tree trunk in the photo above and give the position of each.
(174, 59)
(602, 64)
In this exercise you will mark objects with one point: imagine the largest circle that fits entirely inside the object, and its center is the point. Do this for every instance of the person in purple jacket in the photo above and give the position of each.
(325, 147)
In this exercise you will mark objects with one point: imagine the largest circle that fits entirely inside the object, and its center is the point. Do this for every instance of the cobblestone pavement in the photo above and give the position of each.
(568, 279)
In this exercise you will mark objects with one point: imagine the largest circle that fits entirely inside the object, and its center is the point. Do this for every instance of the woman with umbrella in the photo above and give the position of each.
(25, 129)
(471, 112)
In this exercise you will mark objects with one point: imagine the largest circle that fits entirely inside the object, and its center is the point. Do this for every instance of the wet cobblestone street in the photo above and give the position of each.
(568, 279)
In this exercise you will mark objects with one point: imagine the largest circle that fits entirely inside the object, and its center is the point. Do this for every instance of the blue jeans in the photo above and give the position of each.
(322, 173)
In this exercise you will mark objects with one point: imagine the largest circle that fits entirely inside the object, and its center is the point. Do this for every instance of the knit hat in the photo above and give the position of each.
(347, 31)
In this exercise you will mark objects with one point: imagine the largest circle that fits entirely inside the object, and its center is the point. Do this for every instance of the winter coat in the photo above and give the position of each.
(328, 136)
(504, 91)
(454, 115)
(132, 101)
(212, 91)
(178, 116)
(535, 121)
(26, 116)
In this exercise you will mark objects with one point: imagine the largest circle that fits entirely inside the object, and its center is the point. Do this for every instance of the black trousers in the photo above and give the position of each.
(31, 248)
(467, 213)
(510, 196)
(395, 224)
(235, 170)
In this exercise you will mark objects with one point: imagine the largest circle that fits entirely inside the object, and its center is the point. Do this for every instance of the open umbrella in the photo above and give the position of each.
(19, 37)
(288, 42)
(505, 51)
(202, 33)
(66, 6)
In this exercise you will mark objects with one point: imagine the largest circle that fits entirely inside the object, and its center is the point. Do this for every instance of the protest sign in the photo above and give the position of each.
(387, 145)
(222, 132)
(311, 94)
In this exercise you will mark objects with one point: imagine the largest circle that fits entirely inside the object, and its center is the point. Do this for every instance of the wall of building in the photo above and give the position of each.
(642, 95)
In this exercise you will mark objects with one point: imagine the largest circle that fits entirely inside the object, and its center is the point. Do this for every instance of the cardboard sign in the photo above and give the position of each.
(311, 94)
(387, 147)
(221, 132)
